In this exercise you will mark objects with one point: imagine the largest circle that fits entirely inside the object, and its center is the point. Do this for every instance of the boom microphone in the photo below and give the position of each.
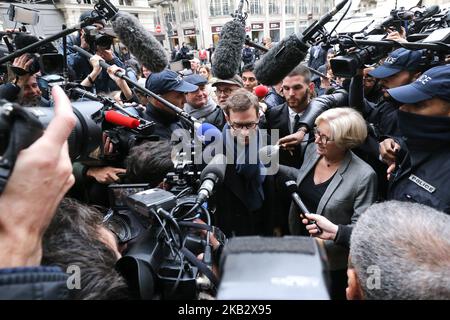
(140, 42)
(289, 52)
(228, 54)
(121, 120)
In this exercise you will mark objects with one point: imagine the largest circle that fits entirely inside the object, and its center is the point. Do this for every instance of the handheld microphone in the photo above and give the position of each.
(147, 50)
(208, 133)
(119, 119)
(212, 175)
(292, 188)
(289, 52)
(261, 91)
(228, 54)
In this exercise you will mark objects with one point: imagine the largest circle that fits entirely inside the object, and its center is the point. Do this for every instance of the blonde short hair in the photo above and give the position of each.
(348, 127)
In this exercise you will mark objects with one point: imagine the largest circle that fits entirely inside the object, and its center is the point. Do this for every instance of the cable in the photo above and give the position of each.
(340, 20)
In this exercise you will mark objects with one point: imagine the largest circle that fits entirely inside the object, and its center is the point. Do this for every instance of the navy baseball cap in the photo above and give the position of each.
(168, 80)
(434, 83)
(399, 60)
(196, 79)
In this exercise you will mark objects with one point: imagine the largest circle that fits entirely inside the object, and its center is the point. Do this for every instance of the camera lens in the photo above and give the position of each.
(120, 226)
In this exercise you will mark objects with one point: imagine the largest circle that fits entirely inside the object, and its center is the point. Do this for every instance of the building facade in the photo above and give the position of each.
(199, 22)
(54, 13)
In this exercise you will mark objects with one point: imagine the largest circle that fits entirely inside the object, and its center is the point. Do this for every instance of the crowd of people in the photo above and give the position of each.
(370, 156)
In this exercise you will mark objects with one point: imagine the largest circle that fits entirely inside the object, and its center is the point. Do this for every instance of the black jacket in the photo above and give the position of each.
(277, 118)
(217, 118)
(233, 217)
(33, 283)
(423, 165)
(273, 99)
(9, 91)
(165, 123)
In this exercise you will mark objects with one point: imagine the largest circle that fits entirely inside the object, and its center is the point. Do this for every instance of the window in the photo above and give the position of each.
(87, 1)
(326, 6)
(303, 7)
(187, 11)
(274, 7)
(256, 7)
(302, 26)
(125, 3)
(169, 14)
(316, 7)
(156, 20)
(289, 7)
(290, 28)
(219, 8)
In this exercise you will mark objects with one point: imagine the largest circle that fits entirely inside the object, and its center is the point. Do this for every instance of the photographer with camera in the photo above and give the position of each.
(41, 177)
(99, 43)
(23, 87)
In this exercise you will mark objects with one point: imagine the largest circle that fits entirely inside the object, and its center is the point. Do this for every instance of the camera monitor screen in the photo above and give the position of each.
(118, 194)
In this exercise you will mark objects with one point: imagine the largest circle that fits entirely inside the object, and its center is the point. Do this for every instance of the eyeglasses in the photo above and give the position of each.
(226, 91)
(240, 126)
(323, 138)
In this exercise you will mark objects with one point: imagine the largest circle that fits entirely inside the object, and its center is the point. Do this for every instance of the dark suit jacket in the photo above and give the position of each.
(277, 118)
(233, 217)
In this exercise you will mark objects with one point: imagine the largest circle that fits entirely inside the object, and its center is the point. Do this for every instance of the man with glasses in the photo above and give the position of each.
(224, 88)
(243, 202)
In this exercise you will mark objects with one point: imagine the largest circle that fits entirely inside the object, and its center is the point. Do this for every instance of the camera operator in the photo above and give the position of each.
(77, 237)
(149, 162)
(422, 157)
(86, 70)
(170, 86)
(23, 87)
(78, 39)
(41, 177)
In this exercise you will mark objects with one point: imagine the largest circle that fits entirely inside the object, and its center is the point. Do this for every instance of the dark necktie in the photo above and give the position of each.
(296, 123)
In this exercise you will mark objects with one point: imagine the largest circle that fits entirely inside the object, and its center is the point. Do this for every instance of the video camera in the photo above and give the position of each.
(430, 27)
(102, 39)
(163, 239)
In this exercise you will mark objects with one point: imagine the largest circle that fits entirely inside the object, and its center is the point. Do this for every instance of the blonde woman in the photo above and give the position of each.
(335, 183)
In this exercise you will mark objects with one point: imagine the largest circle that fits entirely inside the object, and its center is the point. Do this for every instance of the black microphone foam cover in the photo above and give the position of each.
(217, 166)
(140, 42)
(228, 54)
(280, 60)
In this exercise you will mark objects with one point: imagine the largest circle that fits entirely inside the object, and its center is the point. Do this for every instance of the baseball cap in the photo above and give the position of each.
(92, 13)
(168, 80)
(196, 79)
(398, 60)
(434, 83)
(236, 80)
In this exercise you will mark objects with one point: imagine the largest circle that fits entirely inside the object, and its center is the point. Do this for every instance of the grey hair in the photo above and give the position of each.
(409, 244)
